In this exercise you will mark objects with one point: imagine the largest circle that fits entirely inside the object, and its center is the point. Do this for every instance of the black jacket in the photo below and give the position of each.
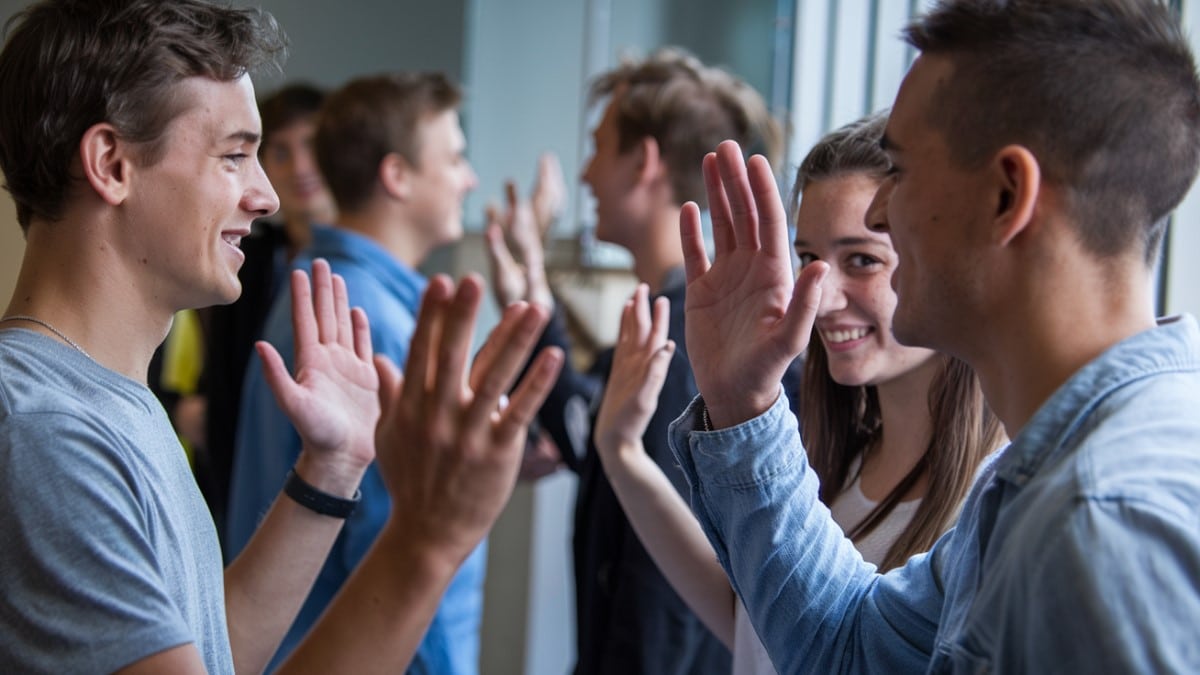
(629, 619)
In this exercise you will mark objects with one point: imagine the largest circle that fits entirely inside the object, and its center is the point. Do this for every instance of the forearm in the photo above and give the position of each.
(377, 620)
(807, 590)
(269, 581)
(672, 536)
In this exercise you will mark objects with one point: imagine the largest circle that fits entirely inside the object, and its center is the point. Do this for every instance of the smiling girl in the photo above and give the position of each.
(895, 433)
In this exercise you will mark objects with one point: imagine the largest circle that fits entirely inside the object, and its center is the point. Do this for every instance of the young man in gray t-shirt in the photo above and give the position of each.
(128, 139)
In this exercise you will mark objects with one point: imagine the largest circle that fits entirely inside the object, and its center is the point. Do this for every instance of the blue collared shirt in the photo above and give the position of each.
(1077, 551)
(268, 445)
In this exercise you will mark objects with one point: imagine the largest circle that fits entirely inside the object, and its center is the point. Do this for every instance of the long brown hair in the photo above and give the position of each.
(838, 423)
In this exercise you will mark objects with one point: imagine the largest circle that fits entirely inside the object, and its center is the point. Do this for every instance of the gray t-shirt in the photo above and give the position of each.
(108, 553)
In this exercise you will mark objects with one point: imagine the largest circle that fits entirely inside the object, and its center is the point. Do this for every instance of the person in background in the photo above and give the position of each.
(394, 157)
(895, 433)
(660, 117)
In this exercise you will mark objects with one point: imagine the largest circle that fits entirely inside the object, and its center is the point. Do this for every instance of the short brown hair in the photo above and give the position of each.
(1103, 92)
(288, 105)
(70, 64)
(688, 109)
(370, 118)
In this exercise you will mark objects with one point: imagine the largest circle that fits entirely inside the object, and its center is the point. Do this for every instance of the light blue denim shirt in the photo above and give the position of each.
(1077, 551)
(267, 447)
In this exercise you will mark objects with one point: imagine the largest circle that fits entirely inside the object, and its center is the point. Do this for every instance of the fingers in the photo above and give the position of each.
(323, 301)
(276, 373)
(548, 191)
(772, 218)
(390, 383)
(422, 348)
(304, 323)
(499, 362)
(511, 196)
(691, 239)
(641, 308)
(529, 395)
(341, 309)
(497, 248)
(736, 184)
(453, 350)
(362, 334)
(662, 315)
(806, 300)
(718, 206)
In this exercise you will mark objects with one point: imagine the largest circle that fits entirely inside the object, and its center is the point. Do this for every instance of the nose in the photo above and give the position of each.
(876, 216)
(472, 179)
(260, 197)
(833, 293)
(586, 175)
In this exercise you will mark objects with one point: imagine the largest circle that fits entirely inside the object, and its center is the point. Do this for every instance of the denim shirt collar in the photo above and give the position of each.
(1171, 346)
(334, 243)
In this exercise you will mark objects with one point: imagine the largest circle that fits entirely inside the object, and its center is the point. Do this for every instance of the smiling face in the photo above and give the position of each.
(290, 161)
(442, 179)
(612, 176)
(936, 212)
(185, 215)
(854, 321)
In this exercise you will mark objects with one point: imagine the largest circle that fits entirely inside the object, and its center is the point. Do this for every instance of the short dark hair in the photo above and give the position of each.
(370, 118)
(288, 105)
(688, 109)
(70, 64)
(1103, 92)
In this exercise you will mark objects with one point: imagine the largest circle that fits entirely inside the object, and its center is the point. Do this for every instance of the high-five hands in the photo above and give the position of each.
(449, 449)
(746, 320)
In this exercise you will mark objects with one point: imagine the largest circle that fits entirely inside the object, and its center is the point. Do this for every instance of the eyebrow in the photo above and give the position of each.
(243, 136)
(844, 242)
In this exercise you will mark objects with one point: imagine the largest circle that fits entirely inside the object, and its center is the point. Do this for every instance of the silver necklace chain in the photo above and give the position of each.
(47, 326)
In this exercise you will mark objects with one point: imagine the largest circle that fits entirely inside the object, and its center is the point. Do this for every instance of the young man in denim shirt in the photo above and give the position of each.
(1038, 149)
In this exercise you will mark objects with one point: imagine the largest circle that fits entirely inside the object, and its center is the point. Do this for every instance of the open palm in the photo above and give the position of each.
(333, 399)
(745, 319)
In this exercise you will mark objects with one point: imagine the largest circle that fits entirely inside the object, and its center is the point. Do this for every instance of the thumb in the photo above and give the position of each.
(806, 300)
(276, 374)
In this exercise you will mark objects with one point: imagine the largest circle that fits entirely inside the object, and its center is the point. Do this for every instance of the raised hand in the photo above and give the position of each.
(639, 368)
(519, 272)
(745, 319)
(549, 193)
(448, 450)
(333, 400)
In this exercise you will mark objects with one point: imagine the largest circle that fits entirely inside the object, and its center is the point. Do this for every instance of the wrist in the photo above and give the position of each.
(724, 413)
(339, 478)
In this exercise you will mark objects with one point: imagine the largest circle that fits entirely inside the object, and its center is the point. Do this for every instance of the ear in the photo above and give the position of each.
(106, 163)
(1019, 179)
(651, 166)
(396, 176)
